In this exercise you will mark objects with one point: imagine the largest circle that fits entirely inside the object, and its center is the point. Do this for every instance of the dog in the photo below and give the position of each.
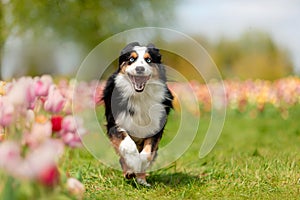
(137, 102)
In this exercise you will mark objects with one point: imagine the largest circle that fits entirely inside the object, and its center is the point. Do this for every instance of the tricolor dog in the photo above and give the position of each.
(137, 103)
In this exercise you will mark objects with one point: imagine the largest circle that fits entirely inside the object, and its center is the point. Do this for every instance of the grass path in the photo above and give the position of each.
(255, 158)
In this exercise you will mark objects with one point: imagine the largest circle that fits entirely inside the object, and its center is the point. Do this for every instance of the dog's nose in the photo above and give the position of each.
(139, 69)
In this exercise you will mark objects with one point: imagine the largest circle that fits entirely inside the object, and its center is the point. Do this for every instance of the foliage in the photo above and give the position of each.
(45, 29)
(253, 55)
(1, 35)
(88, 22)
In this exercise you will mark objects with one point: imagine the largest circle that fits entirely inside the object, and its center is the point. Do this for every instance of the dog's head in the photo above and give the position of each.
(140, 64)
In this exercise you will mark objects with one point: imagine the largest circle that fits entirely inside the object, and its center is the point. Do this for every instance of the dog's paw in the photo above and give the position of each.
(143, 182)
(129, 175)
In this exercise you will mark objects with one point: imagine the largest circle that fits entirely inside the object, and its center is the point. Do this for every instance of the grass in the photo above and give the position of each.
(255, 158)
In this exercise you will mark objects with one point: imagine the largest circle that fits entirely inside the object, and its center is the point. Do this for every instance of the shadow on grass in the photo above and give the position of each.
(176, 179)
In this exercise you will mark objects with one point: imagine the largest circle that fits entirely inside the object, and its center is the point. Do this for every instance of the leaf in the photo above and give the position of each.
(10, 189)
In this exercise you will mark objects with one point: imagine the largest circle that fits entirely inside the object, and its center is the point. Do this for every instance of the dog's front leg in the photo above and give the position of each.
(130, 154)
(127, 150)
(147, 155)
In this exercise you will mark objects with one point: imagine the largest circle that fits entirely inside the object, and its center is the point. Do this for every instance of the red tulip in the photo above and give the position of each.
(49, 176)
(56, 123)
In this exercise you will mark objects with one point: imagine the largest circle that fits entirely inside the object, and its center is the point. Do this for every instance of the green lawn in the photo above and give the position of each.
(255, 158)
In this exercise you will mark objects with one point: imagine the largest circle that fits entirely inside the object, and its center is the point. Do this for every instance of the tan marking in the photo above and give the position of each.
(134, 55)
(139, 142)
(147, 145)
(154, 150)
(116, 141)
(123, 67)
(147, 55)
(148, 148)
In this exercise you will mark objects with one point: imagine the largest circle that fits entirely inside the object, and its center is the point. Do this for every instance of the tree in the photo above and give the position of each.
(2, 31)
(87, 22)
(253, 55)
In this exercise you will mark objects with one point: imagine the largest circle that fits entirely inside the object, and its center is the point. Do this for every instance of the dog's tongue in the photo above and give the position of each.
(139, 82)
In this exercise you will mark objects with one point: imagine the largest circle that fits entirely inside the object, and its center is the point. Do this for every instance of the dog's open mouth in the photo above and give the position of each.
(139, 82)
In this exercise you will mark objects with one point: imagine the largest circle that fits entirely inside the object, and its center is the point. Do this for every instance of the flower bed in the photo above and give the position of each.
(282, 94)
(37, 126)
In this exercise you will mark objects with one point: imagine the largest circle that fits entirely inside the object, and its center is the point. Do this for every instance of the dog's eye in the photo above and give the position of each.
(148, 60)
(131, 59)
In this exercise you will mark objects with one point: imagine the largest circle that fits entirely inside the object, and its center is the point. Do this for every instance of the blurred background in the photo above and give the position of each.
(246, 39)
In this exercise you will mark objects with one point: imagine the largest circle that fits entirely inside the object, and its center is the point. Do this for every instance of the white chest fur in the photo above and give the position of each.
(147, 112)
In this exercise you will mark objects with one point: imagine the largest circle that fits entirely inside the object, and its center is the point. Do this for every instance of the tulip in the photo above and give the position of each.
(72, 139)
(71, 130)
(69, 124)
(10, 156)
(2, 88)
(49, 176)
(56, 122)
(75, 187)
(40, 131)
(42, 85)
(6, 111)
(55, 101)
(21, 93)
(41, 162)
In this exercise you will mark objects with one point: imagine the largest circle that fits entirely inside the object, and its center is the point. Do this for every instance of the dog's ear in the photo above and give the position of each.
(154, 53)
(126, 52)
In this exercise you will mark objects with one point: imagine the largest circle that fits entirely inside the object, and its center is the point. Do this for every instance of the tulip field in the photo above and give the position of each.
(256, 157)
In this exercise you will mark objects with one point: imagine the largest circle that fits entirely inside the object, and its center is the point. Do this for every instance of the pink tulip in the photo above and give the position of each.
(40, 162)
(21, 93)
(72, 139)
(10, 156)
(71, 130)
(42, 85)
(6, 112)
(55, 101)
(75, 187)
(39, 133)
(68, 124)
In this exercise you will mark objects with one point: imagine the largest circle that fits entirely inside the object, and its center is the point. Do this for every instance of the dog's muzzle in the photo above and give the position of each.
(139, 81)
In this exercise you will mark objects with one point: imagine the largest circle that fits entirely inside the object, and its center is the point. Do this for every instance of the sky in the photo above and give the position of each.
(231, 18)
